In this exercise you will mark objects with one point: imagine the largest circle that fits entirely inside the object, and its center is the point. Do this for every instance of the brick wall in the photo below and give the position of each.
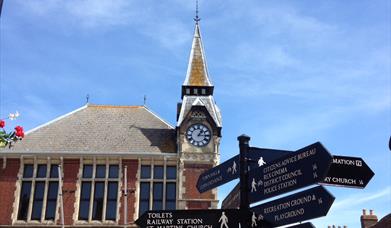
(191, 173)
(71, 170)
(8, 178)
(131, 175)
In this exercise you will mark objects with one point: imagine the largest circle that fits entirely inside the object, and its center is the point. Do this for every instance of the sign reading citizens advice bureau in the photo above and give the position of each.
(189, 219)
(304, 167)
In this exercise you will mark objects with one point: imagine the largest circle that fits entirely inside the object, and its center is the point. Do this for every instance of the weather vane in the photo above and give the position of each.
(197, 18)
(88, 98)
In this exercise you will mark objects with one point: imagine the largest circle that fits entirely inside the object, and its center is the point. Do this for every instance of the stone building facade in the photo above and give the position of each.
(116, 161)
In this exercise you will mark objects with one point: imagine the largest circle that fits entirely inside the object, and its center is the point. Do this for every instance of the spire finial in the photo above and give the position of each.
(87, 98)
(197, 18)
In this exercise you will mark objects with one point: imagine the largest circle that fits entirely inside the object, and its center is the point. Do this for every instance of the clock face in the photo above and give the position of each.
(198, 135)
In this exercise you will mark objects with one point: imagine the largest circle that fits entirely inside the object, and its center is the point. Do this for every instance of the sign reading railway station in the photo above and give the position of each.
(229, 170)
(304, 167)
(348, 172)
(189, 219)
(302, 206)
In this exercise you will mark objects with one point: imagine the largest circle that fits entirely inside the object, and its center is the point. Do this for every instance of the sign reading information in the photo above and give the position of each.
(348, 172)
(189, 219)
(304, 167)
(305, 205)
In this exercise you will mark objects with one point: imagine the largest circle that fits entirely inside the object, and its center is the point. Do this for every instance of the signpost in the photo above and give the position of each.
(189, 218)
(229, 170)
(305, 205)
(266, 173)
(304, 167)
(348, 172)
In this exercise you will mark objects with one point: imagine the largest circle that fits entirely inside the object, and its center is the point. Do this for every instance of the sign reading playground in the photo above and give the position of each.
(189, 219)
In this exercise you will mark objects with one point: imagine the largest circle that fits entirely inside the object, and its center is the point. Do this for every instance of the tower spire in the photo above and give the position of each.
(197, 18)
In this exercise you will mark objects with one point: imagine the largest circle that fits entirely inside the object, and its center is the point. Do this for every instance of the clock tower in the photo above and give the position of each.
(198, 130)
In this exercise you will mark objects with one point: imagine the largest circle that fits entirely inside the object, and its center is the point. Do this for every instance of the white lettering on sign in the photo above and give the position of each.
(340, 180)
(289, 214)
(211, 175)
(349, 162)
(210, 182)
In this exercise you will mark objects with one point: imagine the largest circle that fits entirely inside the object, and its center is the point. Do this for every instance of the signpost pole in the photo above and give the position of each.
(244, 203)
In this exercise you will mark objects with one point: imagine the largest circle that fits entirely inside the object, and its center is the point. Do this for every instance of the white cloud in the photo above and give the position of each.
(357, 199)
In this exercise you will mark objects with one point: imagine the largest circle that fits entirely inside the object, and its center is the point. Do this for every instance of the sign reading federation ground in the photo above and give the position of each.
(189, 219)
(229, 170)
(348, 172)
(304, 167)
(305, 205)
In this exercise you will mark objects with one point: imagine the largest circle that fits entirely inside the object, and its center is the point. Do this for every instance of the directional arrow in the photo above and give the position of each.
(348, 172)
(229, 170)
(189, 218)
(305, 205)
(304, 167)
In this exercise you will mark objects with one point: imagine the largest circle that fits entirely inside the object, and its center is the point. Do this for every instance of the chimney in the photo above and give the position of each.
(368, 220)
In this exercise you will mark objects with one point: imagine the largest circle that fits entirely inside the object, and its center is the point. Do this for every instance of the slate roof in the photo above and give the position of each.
(197, 72)
(101, 129)
(206, 101)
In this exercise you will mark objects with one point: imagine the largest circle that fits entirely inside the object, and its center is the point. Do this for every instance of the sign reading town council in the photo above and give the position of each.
(189, 219)
(304, 167)
(305, 205)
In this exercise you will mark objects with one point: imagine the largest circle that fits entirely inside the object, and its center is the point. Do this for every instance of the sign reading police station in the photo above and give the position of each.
(189, 219)
(305, 205)
(304, 167)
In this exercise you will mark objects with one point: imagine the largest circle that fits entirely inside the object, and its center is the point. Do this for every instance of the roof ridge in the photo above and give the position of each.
(57, 119)
(114, 106)
(161, 119)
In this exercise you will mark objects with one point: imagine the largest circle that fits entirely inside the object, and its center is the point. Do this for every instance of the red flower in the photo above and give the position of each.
(2, 123)
(19, 131)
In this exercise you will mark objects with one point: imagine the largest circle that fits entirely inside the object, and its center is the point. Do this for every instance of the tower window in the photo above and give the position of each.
(187, 91)
(195, 91)
(203, 91)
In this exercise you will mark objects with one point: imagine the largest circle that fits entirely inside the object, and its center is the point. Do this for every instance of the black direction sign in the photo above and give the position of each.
(348, 172)
(229, 170)
(305, 205)
(258, 157)
(304, 167)
(232, 201)
(218, 175)
(189, 218)
(302, 225)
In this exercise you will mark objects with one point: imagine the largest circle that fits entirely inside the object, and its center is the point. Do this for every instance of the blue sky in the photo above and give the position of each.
(286, 73)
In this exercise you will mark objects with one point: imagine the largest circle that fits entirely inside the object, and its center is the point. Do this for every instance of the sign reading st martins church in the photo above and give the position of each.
(190, 219)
